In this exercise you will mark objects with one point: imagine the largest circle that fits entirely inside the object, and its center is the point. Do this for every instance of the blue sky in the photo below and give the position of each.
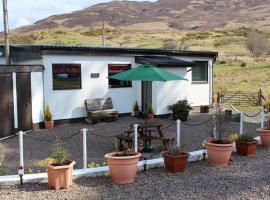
(25, 12)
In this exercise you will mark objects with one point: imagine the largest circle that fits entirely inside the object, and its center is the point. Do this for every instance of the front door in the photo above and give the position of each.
(6, 105)
(146, 95)
(24, 99)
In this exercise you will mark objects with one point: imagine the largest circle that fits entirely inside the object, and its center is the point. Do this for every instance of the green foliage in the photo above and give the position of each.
(234, 137)
(246, 137)
(180, 106)
(243, 64)
(48, 113)
(149, 109)
(60, 155)
(197, 35)
(30, 171)
(174, 150)
(94, 165)
(170, 45)
(136, 107)
(99, 31)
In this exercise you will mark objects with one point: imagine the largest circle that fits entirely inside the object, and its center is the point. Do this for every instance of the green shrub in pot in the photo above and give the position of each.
(180, 110)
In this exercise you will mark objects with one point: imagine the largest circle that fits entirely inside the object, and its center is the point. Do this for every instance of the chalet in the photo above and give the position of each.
(64, 76)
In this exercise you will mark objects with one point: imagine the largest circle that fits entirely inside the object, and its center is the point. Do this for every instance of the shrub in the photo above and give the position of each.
(149, 109)
(176, 24)
(174, 150)
(246, 137)
(243, 64)
(60, 155)
(197, 35)
(48, 113)
(180, 106)
(257, 44)
(136, 107)
(170, 45)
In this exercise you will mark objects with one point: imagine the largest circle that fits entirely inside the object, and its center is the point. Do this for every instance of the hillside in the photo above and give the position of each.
(187, 14)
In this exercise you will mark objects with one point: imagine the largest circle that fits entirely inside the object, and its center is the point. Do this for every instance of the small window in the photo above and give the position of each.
(66, 76)
(115, 69)
(200, 72)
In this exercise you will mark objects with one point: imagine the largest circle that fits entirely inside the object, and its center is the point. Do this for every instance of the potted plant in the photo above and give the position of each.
(219, 149)
(123, 165)
(175, 160)
(265, 133)
(180, 110)
(59, 168)
(136, 109)
(49, 123)
(150, 112)
(246, 144)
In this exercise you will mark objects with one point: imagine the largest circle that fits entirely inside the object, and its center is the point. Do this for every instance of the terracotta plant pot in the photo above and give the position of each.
(175, 163)
(219, 154)
(150, 115)
(265, 136)
(246, 148)
(123, 169)
(49, 124)
(60, 177)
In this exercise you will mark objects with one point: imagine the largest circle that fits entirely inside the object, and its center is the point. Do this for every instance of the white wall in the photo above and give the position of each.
(167, 93)
(67, 104)
(2, 61)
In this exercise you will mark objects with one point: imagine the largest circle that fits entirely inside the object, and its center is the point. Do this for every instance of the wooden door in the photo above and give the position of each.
(6, 105)
(24, 101)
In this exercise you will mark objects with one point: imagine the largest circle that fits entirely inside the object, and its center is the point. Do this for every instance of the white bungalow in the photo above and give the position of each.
(64, 76)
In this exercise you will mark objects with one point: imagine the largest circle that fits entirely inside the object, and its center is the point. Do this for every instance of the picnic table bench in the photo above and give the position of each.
(100, 109)
(145, 131)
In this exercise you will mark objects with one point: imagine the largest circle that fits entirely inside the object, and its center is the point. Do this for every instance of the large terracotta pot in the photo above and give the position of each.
(265, 136)
(246, 148)
(123, 169)
(49, 124)
(175, 163)
(219, 154)
(60, 177)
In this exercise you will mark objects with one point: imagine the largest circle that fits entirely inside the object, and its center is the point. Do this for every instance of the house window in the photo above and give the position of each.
(66, 76)
(200, 72)
(115, 69)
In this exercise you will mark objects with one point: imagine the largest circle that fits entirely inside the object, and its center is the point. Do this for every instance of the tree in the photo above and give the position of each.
(257, 44)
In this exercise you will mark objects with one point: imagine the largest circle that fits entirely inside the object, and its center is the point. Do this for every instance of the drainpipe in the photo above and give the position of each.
(6, 32)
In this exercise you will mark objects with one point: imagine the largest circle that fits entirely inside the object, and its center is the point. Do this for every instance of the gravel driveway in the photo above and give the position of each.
(245, 178)
(39, 148)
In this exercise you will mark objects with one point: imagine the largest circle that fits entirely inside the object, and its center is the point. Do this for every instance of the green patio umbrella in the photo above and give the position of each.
(146, 73)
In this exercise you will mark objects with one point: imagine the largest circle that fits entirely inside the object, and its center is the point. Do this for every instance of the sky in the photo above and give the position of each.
(25, 12)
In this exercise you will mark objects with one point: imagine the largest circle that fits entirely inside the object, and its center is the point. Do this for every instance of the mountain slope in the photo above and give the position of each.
(188, 14)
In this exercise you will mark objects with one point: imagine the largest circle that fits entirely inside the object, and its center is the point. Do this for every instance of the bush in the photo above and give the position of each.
(176, 24)
(246, 137)
(197, 35)
(243, 64)
(180, 106)
(149, 109)
(48, 113)
(60, 155)
(170, 45)
(257, 44)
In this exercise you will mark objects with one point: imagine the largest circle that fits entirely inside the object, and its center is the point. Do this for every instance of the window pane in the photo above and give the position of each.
(66, 76)
(115, 69)
(200, 71)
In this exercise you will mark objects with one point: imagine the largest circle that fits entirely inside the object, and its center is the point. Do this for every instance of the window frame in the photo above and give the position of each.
(67, 65)
(206, 71)
(119, 86)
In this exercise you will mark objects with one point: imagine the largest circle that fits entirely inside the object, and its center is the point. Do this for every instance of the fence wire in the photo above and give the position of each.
(257, 114)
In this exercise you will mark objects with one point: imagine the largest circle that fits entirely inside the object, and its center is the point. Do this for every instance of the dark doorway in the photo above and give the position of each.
(24, 101)
(146, 95)
(6, 105)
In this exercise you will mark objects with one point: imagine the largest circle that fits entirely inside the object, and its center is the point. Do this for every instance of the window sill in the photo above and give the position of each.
(199, 82)
(112, 87)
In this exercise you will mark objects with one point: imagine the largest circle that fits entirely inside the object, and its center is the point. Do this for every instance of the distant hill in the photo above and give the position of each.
(163, 14)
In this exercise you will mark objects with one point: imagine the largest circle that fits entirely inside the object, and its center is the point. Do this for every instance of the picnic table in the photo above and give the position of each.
(147, 133)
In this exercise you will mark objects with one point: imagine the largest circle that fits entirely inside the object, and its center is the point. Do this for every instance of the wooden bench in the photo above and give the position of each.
(100, 109)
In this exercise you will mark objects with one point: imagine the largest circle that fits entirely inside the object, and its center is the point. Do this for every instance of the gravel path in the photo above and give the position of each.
(245, 178)
(38, 149)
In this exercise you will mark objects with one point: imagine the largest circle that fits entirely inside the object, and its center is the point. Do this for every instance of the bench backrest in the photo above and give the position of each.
(99, 104)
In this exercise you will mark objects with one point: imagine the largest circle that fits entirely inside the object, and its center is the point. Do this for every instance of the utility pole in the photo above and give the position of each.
(103, 34)
(6, 32)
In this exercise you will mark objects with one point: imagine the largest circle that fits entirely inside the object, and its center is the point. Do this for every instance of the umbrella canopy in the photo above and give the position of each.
(146, 73)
